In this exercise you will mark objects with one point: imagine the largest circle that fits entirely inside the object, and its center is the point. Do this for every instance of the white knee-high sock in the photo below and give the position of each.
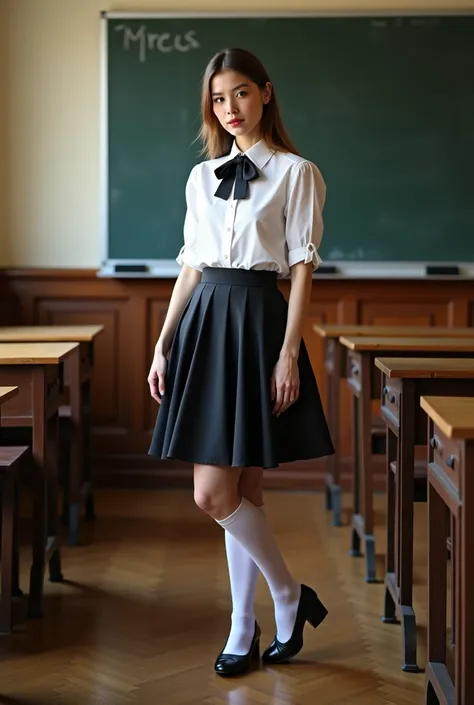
(243, 576)
(249, 526)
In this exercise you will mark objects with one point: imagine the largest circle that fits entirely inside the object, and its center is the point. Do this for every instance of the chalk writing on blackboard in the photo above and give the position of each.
(164, 42)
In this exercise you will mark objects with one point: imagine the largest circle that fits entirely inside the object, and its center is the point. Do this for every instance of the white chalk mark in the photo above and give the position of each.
(163, 42)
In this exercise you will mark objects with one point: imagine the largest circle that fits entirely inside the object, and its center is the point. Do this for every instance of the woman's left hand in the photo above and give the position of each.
(285, 384)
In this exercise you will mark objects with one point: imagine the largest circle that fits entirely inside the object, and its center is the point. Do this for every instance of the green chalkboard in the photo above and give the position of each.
(383, 105)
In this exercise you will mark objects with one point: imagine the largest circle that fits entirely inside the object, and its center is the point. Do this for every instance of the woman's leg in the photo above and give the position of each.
(216, 491)
(243, 572)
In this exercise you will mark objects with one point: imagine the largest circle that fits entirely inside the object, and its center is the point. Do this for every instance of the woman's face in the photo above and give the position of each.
(238, 103)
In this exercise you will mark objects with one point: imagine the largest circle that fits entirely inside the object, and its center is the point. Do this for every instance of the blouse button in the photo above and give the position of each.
(226, 257)
(228, 230)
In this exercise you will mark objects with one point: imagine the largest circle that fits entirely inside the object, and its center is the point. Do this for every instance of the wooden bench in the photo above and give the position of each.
(450, 492)
(364, 381)
(38, 371)
(74, 414)
(404, 382)
(335, 365)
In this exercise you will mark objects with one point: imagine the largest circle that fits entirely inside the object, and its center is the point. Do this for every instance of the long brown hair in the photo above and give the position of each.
(216, 141)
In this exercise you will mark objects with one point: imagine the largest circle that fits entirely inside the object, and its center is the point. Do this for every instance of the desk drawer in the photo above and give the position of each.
(447, 455)
(391, 392)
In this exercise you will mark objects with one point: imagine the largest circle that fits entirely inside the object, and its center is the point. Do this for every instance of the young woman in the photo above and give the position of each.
(230, 369)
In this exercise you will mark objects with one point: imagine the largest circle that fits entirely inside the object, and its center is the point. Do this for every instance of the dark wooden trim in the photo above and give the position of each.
(132, 312)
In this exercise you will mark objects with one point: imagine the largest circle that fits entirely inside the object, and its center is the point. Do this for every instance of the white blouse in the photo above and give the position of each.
(279, 223)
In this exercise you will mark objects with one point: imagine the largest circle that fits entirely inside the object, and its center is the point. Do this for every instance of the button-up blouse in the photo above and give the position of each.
(279, 223)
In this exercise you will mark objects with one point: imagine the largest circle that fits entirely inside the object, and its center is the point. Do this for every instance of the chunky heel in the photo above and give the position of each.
(311, 610)
(317, 613)
(256, 651)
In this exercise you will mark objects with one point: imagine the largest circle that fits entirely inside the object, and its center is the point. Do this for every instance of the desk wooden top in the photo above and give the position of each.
(44, 334)
(453, 415)
(7, 393)
(35, 353)
(373, 344)
(352, 329)
(426, 367)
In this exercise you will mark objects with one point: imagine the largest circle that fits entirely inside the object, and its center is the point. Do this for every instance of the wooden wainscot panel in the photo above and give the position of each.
(133, 311)
(427, 303)
(105, 384)
(70, 297)
(400, 313)
(9, 305)
(386, 311)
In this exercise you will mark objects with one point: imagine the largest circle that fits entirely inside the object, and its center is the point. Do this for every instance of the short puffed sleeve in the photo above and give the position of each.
(188, 253)
(304, 214)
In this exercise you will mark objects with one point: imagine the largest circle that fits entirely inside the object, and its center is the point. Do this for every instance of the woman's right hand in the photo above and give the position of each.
(156, 376)
(187, 281)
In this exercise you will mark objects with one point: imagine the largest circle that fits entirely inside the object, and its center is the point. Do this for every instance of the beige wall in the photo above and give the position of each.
(49, 118)
(3, 132)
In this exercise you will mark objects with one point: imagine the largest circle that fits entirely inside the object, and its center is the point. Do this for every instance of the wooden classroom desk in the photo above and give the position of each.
(404, 382)
(363, 379)
(7, 393)
(9, 568)
(450, 487)
(37, 369)
(78, 372)
(335, 364)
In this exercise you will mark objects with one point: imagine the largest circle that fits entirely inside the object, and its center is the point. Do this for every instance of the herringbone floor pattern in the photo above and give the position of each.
(145, 611)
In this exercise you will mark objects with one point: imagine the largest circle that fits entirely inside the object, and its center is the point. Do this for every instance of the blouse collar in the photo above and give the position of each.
(259, 153)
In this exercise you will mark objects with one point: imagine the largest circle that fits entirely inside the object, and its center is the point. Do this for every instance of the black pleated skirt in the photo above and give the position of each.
(217, 407)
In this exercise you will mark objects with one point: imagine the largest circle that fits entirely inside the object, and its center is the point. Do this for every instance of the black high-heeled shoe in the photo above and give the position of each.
(310, 609)
(234, 665)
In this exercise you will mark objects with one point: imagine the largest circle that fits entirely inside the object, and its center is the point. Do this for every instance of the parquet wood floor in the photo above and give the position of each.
(145, 610)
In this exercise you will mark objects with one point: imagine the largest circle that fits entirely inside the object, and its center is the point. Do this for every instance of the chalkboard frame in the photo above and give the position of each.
(169, 268)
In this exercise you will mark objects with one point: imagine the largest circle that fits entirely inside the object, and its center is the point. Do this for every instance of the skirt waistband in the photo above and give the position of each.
(242, 277)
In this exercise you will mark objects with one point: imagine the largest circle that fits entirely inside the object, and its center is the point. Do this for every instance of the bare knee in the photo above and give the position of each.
(216, 490)
(217, 503)
(205, 500)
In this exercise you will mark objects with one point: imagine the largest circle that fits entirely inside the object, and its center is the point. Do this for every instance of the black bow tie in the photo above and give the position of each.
(242, 170)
